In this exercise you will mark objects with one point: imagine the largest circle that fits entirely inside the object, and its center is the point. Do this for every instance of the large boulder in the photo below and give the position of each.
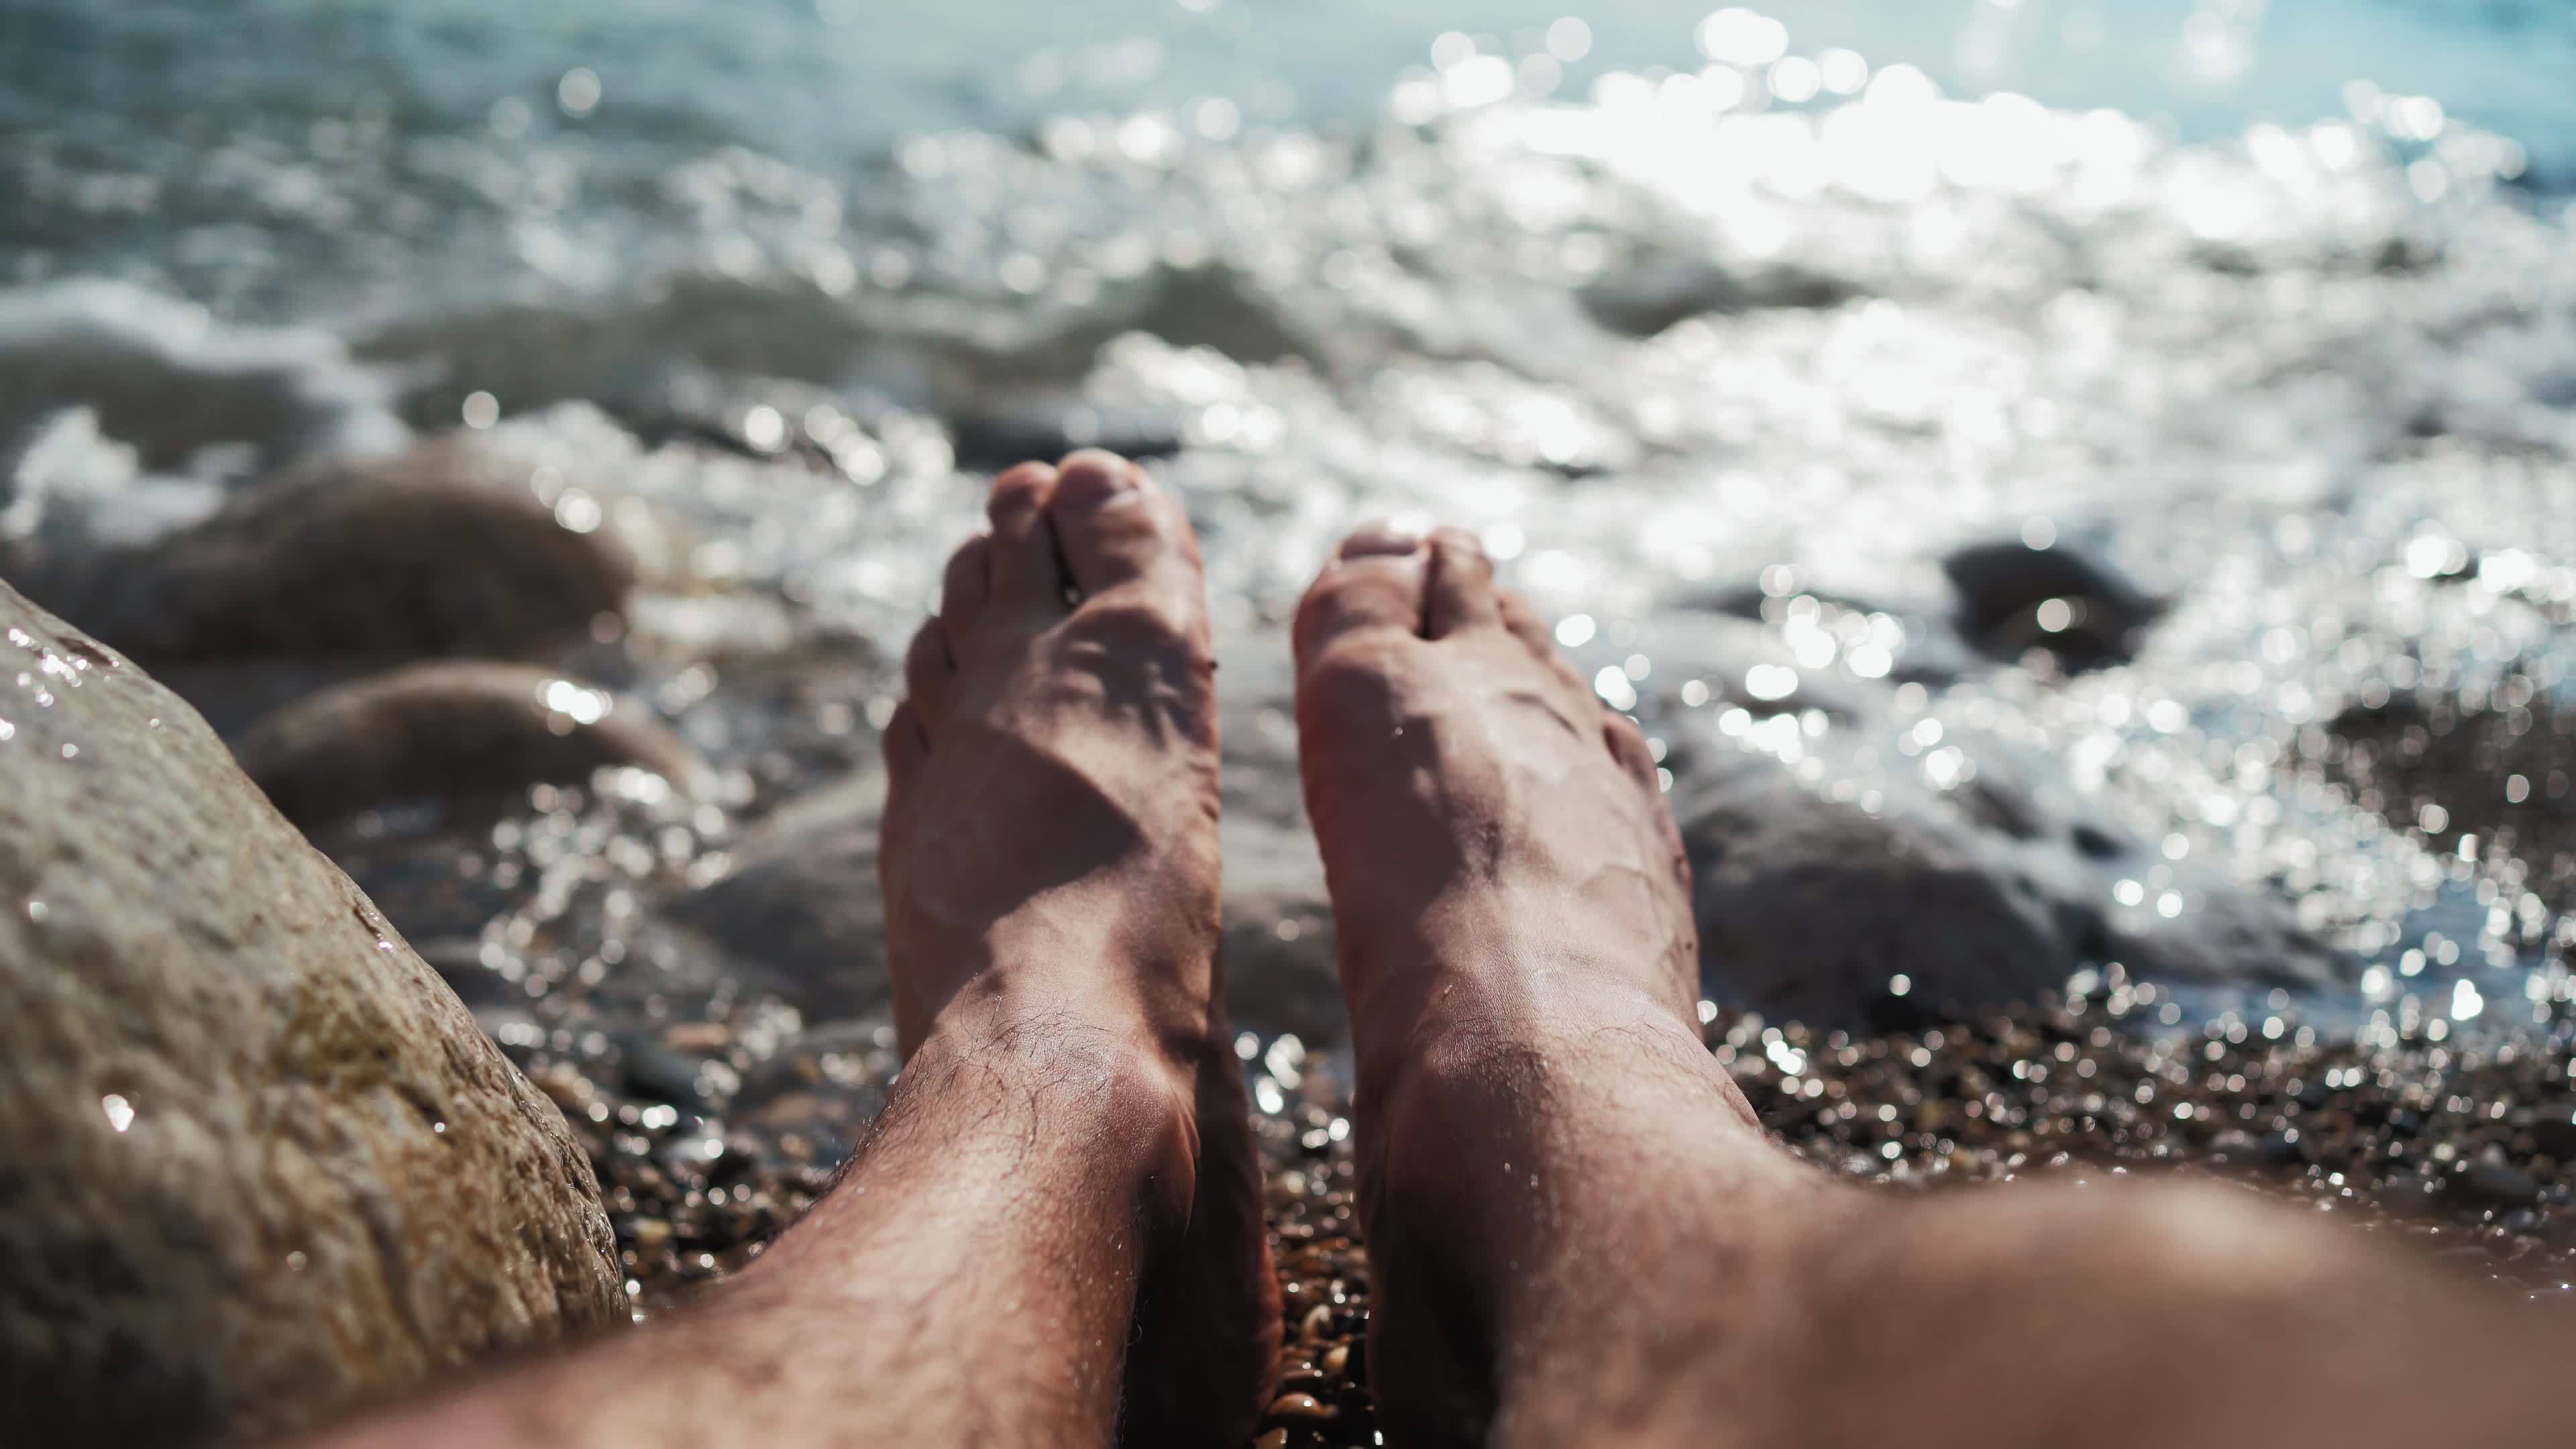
(256, 1161)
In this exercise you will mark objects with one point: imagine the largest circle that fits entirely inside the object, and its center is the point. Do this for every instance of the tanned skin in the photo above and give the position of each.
(1580, 1232)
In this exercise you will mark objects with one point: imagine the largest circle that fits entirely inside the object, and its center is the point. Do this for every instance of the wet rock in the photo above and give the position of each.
(1280, 960)
(1300, 1409)
(2553, 1131)
(1047, 431)
(2500, 772)
(449, 549)
(2497, 1184)
(801, 908)
(259, 1162)
(2014, 598)
(1822, 906)
(657, 1073)
(1809, 907)
(1649, 294)
(452, 731)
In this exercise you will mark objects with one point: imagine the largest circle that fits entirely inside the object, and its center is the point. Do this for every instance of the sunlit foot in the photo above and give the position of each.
(1484, 821)
(1504, 871)
(1051, 846)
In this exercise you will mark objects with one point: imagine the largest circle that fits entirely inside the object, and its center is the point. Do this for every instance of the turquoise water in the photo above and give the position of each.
(282, 158)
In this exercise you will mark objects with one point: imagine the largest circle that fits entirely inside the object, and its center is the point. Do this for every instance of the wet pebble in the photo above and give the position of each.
(2499, 1184)
(1300, 1409)
(2015, 597)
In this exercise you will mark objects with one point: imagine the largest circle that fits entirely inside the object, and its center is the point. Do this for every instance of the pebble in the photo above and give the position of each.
(2494, 1182)
(2014, 598)
(1301, 1409)
(2086, 1089)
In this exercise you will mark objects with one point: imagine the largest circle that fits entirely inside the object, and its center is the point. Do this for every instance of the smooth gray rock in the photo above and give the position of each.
(453, 731)
(256, 1161)
(800, 911)
(801, 908)
(1812, 898)
(2004, 587)
(1281, 964)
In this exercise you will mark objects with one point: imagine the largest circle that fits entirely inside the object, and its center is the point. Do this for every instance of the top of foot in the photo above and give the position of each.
(1050, 861)
(1479, 812)
(1059, 748)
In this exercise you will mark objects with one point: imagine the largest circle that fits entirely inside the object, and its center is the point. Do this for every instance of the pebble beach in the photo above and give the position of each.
(2086, 543)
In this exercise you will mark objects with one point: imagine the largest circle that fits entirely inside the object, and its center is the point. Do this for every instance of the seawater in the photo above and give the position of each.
(2268, 305)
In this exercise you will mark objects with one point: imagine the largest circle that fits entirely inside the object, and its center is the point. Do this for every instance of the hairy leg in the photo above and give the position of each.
(1580, 1231)
(1054, 1236)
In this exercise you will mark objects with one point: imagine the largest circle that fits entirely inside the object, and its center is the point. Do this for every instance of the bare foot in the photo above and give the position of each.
(1051, 863)
(1476, 805)
(1518, 952)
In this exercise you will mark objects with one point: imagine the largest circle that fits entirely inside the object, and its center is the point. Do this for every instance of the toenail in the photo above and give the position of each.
(1090, 480)
(1381, 540)
(1460, 540)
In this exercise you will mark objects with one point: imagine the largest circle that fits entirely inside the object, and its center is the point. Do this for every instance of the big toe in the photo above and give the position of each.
(1116, 527)
(1372, 587)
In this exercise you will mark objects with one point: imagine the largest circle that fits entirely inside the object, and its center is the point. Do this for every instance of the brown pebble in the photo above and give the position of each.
(1275, 1439)
(1301, 1409)
(703, 1037)
(1319, 1321)
(1337, 1359)
(565, 1085)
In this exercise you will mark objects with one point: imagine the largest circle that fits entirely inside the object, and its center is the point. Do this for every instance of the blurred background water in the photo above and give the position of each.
(379, 160)
(1734, 331)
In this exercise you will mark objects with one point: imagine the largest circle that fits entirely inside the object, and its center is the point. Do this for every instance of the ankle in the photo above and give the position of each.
(1513, 1028)
(1073, 1077)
